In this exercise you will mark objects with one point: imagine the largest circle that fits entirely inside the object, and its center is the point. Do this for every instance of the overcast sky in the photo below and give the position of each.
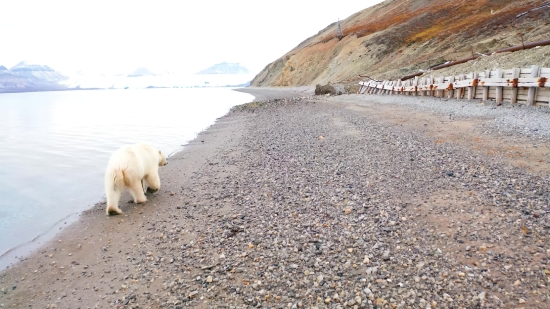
(120, 36)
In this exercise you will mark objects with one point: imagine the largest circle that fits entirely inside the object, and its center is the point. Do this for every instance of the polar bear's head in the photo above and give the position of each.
(162, 159)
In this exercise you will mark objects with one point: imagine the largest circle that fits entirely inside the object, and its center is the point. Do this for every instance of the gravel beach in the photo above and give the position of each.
(302, 201)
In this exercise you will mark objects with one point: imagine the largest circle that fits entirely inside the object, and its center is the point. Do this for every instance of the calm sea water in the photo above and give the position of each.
(54, 147)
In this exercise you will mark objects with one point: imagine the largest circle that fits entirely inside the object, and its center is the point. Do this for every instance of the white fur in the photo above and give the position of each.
(127, 168)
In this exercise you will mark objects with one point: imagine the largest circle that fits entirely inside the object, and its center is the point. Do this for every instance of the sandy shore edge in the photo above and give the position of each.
(23, 251)
(225, 229)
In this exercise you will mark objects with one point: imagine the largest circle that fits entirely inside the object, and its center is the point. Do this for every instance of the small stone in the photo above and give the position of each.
(192, 294)
(209, 279)
(521, 301)
(347, 210)
(172, 193)
(328, 300)
(250, 245)
(366, 260)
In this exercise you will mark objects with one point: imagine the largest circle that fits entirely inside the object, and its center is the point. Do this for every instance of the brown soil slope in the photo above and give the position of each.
(399, 37)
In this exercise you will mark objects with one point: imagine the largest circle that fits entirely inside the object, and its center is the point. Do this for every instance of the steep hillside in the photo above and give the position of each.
(400, 37)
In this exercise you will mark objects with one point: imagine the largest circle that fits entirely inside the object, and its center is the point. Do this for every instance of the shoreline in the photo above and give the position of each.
(21, 252)
(284, 192)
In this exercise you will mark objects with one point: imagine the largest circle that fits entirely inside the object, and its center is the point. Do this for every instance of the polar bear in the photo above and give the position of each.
(127, 168)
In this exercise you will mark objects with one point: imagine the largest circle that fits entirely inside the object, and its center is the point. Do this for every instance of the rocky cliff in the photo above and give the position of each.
(400, 37)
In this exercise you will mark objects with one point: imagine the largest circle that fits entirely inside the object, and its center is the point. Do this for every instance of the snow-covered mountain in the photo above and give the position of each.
(30, 77)
(27, 76)
(225, 68)
(37, 72)
(141, 72)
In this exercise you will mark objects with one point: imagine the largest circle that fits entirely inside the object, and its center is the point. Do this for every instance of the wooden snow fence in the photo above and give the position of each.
(530, 86)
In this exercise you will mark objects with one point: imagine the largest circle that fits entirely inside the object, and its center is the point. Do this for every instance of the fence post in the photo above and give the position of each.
(515, 74)
(451, 91)
(381, 91)
(415, 84)
(363, 88)
(376, 89)
(427, 82)
(472, 89)
(459, 90)
(387, 83)
(485, 88)
(425, 86)
(440, 92)
(372, 88)
(398, 86)
(390, 84)
(499, 89)
(532, 92)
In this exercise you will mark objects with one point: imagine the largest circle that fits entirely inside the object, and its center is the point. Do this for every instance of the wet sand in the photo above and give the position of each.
(320, 202)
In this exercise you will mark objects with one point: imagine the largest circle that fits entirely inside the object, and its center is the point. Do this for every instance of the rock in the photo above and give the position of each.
(326, 89)
(366, 260)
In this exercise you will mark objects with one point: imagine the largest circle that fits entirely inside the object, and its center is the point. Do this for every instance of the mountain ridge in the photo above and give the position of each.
(398, 37)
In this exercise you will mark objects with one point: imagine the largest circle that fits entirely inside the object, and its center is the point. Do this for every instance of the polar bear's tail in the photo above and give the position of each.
(118, 180)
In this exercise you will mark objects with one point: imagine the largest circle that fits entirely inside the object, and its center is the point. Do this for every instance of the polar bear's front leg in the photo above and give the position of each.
(153, 182)
(137, 192)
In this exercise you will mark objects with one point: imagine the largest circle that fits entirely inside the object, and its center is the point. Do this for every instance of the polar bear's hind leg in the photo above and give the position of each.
(153, 182)
(136, 189)
(112, 202)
